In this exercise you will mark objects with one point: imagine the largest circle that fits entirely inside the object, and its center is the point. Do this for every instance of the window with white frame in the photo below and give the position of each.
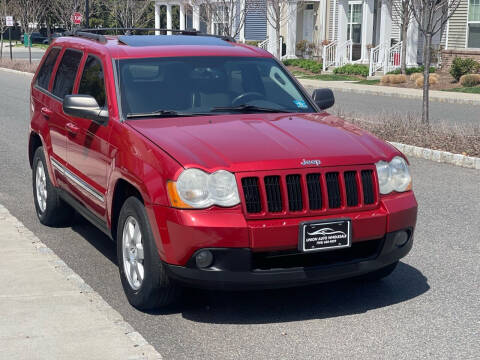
(354, 18)
(220, 19)
(474, 24)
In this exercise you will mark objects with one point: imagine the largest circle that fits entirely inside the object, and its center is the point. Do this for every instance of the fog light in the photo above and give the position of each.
(204, 259)
(401, 238)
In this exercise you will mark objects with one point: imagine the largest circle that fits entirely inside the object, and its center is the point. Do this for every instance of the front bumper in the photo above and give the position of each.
(242, 269)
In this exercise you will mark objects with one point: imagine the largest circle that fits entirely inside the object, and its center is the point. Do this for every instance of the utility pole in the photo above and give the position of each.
(87, 13)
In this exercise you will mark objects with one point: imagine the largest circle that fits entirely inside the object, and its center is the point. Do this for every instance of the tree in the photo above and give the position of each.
(228, 15)
(278, 12)
(3, 23)
(403, 18)
(431, 15)
(29, 13)
(63, 10)
(132, 13)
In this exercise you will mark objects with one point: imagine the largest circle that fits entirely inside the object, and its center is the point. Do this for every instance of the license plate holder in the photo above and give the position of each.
(325, 235)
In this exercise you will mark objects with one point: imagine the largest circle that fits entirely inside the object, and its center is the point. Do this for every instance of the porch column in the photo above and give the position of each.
(182, 16)
(367, 28)
(323, 16)
(196, 17)
(342, 26)
(385, 26)
(157, 18)
(272, 37)
(291, 30)
(241, 11)
(169, 18)
(412, 43)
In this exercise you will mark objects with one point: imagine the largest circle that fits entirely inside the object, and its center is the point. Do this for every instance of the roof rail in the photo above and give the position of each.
(131, 31)
(87, 35)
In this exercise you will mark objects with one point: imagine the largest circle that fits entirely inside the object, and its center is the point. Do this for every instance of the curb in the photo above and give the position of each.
(148, 351)
(439, 156)
(24, 73)
(433, 97)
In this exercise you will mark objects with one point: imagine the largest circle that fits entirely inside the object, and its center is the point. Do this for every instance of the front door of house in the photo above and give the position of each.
(308, 19)
(354, 28)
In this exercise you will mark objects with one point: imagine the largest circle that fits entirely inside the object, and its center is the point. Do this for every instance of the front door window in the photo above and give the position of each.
(354, 18)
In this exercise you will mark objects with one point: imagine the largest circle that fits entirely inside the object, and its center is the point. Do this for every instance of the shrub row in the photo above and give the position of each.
(352, 69)
(310, 65)
(413, 70)
(462, 67)
(394, 79)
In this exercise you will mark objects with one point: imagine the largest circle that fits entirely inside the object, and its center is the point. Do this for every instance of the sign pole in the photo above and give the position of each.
(10, 41)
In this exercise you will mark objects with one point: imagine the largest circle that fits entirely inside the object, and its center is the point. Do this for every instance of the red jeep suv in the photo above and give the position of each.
(211, 166)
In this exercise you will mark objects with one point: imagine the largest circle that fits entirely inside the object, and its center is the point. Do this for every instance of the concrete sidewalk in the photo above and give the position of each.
(435, 95)
(48, 312)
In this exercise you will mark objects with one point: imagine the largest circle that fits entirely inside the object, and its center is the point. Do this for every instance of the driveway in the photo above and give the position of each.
(428, 308)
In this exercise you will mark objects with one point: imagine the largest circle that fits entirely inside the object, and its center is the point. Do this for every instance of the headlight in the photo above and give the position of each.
(197, 189)
(393, 175)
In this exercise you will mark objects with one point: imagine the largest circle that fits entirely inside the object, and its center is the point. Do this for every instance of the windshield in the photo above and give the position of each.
(187, 86)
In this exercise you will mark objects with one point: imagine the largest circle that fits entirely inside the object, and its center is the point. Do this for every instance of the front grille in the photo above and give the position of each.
(274, 193)
(252, 195)
(283, 193)
(294, 189)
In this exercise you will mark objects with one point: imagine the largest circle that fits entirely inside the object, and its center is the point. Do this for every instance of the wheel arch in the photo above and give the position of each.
(34, 142)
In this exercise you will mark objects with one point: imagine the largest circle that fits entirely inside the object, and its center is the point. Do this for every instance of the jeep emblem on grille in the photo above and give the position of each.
(310, 162)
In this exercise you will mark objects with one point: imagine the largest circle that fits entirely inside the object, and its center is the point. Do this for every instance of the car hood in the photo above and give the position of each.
(246, 142)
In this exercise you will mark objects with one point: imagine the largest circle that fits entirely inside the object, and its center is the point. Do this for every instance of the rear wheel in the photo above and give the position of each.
(378, 274)
(144, 278)
(50, 209)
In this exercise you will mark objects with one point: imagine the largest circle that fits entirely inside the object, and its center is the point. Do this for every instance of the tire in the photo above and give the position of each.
(50, 209)
(156, 289)
(378, 274)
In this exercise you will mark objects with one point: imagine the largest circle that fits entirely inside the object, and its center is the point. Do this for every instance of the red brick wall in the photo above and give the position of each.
(450, 54)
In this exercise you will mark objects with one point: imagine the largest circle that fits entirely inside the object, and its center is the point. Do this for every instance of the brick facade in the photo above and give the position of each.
(450, 54)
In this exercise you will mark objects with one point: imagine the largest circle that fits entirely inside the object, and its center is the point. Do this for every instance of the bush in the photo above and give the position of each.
(415, 76)
(310, 65)
(431, 80)
(394, 79)
(470, 80)
(462, 67)
(413, 70)
(352, 69)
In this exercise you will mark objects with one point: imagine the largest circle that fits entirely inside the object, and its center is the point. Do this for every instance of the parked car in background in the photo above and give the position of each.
(52, 37)
(35, 38)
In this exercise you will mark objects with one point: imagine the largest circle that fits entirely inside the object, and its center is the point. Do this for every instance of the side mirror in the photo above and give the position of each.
(324, 98)
(85, 106)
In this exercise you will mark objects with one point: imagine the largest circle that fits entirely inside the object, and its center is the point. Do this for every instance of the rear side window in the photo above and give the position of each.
(67, 70)
(93, 82)
(45, 72)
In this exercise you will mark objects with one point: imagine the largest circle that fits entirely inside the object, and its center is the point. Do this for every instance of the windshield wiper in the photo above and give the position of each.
(163, 113)
(249, 108)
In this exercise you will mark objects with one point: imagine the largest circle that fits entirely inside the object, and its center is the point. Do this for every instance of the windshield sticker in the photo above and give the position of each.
(300, 104)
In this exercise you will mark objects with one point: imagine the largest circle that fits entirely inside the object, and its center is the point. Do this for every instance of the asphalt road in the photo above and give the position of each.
(428, 308)
(21, 53)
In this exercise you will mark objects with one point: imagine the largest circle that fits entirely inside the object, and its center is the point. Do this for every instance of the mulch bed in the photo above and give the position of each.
(20, 65)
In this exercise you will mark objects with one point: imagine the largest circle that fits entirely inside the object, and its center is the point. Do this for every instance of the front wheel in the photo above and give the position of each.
(143, 275)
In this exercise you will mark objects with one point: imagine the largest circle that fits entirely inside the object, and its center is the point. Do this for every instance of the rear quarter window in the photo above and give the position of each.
(66, 73)
(45, 72)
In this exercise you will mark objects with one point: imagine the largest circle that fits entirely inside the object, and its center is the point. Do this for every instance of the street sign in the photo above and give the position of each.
(9, 20)
(76, 18)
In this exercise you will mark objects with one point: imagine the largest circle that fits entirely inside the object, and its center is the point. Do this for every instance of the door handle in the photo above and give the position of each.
(72, 128)
(46, 112)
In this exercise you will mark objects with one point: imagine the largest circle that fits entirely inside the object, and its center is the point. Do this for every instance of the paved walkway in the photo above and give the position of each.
(48, 312)
(435, 95)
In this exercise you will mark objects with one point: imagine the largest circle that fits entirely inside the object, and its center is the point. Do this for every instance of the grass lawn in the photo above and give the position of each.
(39, 46)
(369, 82)
(470, 90)
(326, 77)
